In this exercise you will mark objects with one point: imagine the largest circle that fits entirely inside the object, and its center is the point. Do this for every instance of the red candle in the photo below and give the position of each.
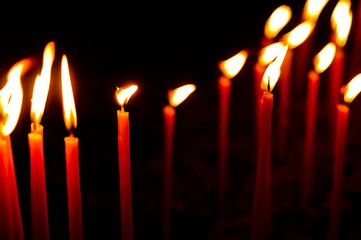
(71, 156)
(176, 97)
(126, 215)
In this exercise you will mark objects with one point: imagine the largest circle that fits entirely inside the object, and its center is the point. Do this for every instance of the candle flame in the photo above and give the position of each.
(312, 9)
(69, 111)
(233, 65)
(178, 95)
(273, 71)
(42, 83)
(278, 19)
(299, 34)
(325, 57)
(269, 53)
(352, 89)
(11, 97)
(123, 94)
(341, 20)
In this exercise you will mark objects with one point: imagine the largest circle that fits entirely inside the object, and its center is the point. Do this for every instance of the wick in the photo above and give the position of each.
(269, 84)
(342, 91)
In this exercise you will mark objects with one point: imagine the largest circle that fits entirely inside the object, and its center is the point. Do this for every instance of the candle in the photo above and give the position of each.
(321, 62)
(262, 194)
(350, 91)
(176, 97)
(71, 155)
(126, 215)
(38, 198)
(230, 68)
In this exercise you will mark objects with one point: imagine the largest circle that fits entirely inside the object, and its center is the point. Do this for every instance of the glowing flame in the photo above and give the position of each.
(324, 58)
(341, 20)
(70, 118)
(299, 34)
(233, 65)
(278, 19)
(352, 89)
(123, 95)
(11, 97)
(42, 83)
(178, 95)
(312, 9)
(269, 53)
(273, 71)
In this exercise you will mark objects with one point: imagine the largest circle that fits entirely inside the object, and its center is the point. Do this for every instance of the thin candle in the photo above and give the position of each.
(175, 97)
(230, 68)
(71, 155)
(126, 213)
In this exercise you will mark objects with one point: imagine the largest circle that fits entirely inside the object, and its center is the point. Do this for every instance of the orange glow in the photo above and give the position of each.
(69, 111)
(123, 95)
(273, 71)
(313, 8)
(11, 97)
(269, 53)
(233, 65)
(178, 95)
(341, 20)
(324, 58)
(352, 89)
(278, 19)
(42, 83)
(299, 34)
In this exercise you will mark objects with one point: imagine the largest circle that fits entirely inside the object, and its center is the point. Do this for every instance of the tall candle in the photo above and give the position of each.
(71, 156)
(175, 97)
(126, 212)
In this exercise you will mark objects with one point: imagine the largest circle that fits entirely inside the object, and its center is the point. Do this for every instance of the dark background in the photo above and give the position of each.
(160, 47)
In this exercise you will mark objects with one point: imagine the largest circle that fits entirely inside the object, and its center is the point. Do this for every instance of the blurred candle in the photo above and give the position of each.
(321, 62)
(349, 91)
(126, 215)
(229, 68)
(71, 155)
(38, 196)
(176, 97)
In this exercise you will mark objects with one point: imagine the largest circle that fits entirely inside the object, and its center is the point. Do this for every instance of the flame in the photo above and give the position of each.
(312, 9)
(178, 95)
(42, 83)
(233, 65)
(299, 34)
(11, 97)
(123, 94)
(69, 111)
(273, 71)
(341, 20)
(324, 58)
(278, 19)
(269, 53)
(352, 89)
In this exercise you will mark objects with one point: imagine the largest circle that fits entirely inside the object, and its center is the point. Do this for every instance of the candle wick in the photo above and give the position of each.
(342, 91)
(269, 84)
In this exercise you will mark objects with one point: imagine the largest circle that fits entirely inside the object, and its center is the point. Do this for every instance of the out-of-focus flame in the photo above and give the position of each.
(233, 65)
(178, 95)
(278, 19)
(123, 95)
(352, 89)
(269, 53)
(273, 71)
(42, 83)
(69, 111)
(11, 97)
(312, 9)
(299, 34)
(341, 20)
(325, 57)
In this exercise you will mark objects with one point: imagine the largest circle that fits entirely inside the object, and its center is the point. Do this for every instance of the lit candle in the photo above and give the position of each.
(350, 92)
(71, 155)
(321, 62)
(176, 97)
(126, 216)
(38, 198)
(262, 194)
(229, 68)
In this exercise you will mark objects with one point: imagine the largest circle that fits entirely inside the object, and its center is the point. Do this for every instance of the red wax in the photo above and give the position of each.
(73, 183)
(126, 215)
(258, 71)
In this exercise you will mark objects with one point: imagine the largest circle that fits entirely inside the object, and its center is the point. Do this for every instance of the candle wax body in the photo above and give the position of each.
(258, 71)
(126, 215)
(336, 80)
